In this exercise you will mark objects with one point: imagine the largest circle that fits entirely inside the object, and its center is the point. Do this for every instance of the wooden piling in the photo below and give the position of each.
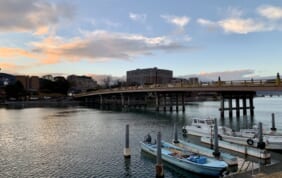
(159, 166)
(273, 128)
(216, 152)
(126, 151)
(261, 144)
(175, 140)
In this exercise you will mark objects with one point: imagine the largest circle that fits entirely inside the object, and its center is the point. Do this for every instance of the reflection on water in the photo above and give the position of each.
(127, 168)
(85, 142)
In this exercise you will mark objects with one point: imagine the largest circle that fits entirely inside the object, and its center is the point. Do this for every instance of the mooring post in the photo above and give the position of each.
(216, 152)
(126, 151)
(273, 128)
(159, 166)
(260, 144)
(175, 140)
(211, 136)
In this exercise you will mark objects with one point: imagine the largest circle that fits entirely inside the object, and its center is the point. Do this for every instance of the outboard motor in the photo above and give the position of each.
(148, 138)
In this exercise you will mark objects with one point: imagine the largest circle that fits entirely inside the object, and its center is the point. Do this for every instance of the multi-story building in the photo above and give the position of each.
(193, 80)
(148, 76)
(6, 79)
(48, 77)
(81, 83)
(29, 83)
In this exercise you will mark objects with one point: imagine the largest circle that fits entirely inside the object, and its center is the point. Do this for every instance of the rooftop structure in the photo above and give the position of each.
(82, 83)
(6, 79)
(148, 76)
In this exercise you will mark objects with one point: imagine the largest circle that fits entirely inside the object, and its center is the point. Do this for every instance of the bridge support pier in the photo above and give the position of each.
(183, 102)
(122, 100)
(222, 107)
(244, 106)
(157, 102)
(230, 107)
(164, 102)
(101, 102)
(251, 105)
(237, 107)
(237, 96)
(176, 102)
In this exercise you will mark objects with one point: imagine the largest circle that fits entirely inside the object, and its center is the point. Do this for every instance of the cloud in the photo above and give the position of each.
(243, 74)
(237, 25)
(180, 22)
(270, 12)
(137, 17)
(241, 26)
(15, 52)
(103, 22)
(204, 22)
(12, 68)
(34, 16)
(101, 46)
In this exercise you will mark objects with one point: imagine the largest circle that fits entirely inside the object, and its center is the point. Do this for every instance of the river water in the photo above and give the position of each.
(86, 142)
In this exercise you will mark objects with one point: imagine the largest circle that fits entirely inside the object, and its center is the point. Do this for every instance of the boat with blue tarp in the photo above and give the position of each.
(186, 160)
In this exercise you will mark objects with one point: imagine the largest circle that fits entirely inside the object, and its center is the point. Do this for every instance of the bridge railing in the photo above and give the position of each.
(211, 84)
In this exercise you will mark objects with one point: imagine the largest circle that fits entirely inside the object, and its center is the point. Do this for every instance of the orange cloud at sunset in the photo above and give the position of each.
(14, 53)
(10, 67)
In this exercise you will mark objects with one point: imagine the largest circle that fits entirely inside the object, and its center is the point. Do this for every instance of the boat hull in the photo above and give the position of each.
(190, 166)
(232, 161)
(271, 142)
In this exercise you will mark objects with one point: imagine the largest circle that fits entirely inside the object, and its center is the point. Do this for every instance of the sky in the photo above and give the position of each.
(235, 40)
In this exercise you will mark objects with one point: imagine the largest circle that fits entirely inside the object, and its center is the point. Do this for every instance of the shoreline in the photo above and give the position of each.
(40, 103)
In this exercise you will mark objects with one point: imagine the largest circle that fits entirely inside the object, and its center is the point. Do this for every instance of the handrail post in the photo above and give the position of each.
(278, 81)
(219, 81)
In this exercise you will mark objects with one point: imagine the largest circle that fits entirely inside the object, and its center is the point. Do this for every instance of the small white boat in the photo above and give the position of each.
(204, 127)
(231, 160)
(183, 159)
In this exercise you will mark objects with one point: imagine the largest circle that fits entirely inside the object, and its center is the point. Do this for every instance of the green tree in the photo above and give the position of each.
(15, 90)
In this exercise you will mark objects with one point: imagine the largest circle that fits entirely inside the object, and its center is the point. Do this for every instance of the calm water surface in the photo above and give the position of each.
(85, 142)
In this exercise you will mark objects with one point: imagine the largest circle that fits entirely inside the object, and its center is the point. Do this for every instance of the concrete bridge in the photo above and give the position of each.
(173, 97)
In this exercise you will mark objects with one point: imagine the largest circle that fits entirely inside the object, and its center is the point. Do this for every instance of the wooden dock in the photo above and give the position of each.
(231, 160)
(246, 150)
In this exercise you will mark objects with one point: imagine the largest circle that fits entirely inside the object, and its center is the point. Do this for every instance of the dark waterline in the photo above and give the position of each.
(85, 142)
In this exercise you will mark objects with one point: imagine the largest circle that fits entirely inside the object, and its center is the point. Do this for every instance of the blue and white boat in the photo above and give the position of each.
(249, 137)
(183, 159)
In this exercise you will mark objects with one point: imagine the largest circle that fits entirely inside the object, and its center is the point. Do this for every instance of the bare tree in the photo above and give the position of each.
(107, 81)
